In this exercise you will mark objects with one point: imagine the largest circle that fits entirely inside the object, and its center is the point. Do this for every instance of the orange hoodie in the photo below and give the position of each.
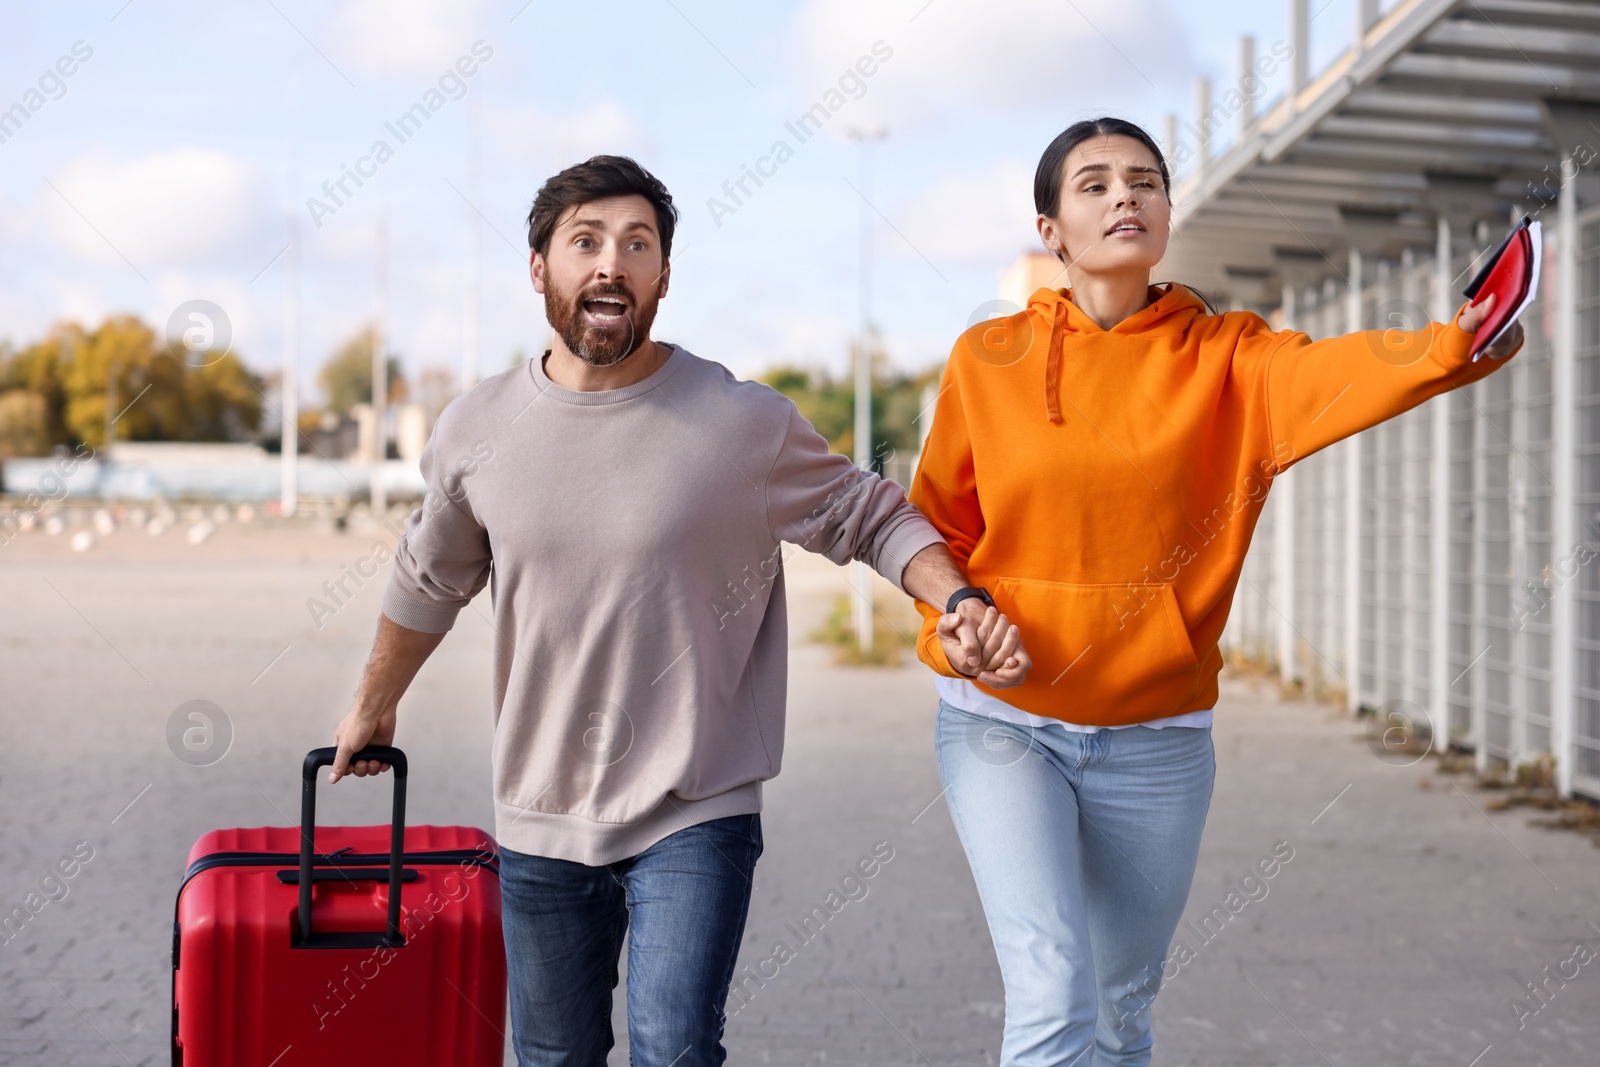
(1103, 484)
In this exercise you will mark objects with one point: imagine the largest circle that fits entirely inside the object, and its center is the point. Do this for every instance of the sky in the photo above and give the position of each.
(162, 168)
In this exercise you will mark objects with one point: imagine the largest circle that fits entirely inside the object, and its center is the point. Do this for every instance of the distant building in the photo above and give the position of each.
(1028, 273)
(181, 470)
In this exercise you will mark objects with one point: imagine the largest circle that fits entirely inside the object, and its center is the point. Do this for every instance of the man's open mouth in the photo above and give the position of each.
(605, 310)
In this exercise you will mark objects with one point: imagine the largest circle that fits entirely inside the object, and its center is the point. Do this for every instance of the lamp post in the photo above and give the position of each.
(469, 297)
(289, 387)
(863, 369)
(380, 375)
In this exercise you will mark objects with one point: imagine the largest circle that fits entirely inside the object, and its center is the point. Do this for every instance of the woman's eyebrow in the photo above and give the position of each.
(1105, 167)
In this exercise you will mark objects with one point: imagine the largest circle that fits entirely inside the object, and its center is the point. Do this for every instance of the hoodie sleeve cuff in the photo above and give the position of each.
(931, 652)
(1451, 346)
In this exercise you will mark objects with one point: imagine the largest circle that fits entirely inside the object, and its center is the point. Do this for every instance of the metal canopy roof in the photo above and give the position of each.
(1441, 109)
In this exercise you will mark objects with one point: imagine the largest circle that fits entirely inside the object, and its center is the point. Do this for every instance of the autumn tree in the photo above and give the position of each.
(70, 385)
(39, 370)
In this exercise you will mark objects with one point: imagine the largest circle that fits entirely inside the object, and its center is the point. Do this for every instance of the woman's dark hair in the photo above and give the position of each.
(596, 179)
(1047, 179)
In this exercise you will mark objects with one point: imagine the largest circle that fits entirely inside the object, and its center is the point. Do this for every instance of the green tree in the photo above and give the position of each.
(346, 377)
(828, 403)
(222, 401)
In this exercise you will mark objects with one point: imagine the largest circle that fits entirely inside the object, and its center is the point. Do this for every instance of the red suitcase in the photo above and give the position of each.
(380, 945)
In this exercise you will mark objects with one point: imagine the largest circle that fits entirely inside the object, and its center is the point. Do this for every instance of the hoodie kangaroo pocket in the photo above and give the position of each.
(1103, 654)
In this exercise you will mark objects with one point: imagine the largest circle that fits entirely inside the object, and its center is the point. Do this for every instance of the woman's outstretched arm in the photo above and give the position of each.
(1319, 392)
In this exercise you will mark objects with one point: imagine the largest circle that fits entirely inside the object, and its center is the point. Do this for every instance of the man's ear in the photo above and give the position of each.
(536, 270)
(666, 277)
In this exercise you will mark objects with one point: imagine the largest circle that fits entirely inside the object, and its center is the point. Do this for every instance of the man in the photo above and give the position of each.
(630, 501)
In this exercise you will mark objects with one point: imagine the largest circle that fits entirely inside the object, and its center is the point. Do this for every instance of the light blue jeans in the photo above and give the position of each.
(1083, 847)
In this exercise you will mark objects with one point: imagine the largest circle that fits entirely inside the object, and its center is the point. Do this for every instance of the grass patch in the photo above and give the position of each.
(1531, 786)
(894, 632)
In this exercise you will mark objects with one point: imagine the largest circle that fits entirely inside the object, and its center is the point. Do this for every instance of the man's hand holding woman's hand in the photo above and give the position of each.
(982, 644)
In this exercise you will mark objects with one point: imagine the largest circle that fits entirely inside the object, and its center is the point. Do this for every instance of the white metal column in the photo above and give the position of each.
(1521, 374)
(1439, 618)
(1563, 442)
(1283, 534)
(1352, 515)
(1412, 624)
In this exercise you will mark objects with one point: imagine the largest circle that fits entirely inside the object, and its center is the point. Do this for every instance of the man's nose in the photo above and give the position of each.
(608, 264)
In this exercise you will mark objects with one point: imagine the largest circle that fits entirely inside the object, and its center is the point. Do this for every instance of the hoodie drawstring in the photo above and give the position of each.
(1052, 362)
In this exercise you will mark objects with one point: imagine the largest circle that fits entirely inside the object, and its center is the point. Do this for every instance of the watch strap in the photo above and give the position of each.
(967, 592)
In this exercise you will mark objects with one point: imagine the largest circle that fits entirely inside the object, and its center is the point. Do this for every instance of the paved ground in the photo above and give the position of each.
(1401, 932)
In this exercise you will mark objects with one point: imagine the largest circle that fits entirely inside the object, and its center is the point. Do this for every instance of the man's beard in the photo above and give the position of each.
(600, 346)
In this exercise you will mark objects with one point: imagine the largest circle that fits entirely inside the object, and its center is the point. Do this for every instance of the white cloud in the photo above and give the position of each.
(181, 206)
(958, 56)
(531, 137)
(750, 335)
(982, 216)
(415, 38)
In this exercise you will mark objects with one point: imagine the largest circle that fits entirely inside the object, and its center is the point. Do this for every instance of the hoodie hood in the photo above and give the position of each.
(1171, 310)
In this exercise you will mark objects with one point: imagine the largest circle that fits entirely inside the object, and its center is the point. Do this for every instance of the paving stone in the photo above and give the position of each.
(1401, 933)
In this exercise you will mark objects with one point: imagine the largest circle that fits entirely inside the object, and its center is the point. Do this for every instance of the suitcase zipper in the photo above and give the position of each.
(485, 858)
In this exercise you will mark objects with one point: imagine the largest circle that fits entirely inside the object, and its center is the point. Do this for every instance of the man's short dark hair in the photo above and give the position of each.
(596, 179)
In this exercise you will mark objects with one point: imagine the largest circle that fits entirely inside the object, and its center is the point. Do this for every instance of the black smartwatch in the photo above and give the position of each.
(966, 592)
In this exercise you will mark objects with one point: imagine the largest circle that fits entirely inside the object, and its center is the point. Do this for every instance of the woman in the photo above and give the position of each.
(1098, 462)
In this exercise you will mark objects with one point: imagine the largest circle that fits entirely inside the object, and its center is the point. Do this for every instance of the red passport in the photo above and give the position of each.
(1512, 274)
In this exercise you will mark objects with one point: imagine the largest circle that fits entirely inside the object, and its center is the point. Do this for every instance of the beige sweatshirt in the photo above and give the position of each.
(633, 541)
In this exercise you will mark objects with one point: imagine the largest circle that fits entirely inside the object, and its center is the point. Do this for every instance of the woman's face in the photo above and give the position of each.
(1113, 213)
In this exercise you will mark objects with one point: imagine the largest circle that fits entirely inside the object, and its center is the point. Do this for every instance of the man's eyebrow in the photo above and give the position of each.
(600, 224)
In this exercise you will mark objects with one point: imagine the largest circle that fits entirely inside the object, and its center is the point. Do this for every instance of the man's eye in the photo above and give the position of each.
(583, 242)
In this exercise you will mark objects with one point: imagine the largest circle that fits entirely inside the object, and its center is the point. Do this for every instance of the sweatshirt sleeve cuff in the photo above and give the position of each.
(418, 613)
(910, 537)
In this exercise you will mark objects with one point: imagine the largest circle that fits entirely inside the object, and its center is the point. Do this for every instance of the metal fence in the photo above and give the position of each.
(1339, 591)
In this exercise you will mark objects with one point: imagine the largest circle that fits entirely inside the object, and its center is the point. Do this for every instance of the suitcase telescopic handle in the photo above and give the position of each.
(316, 759)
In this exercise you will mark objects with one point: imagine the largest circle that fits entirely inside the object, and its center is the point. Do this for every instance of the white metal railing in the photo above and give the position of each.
(1509, 557)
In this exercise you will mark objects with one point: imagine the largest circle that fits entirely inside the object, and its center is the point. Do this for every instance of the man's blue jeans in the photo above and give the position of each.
(1083, 847)
(682, 902)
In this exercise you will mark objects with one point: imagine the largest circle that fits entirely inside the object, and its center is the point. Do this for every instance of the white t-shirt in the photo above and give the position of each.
(960, 693)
